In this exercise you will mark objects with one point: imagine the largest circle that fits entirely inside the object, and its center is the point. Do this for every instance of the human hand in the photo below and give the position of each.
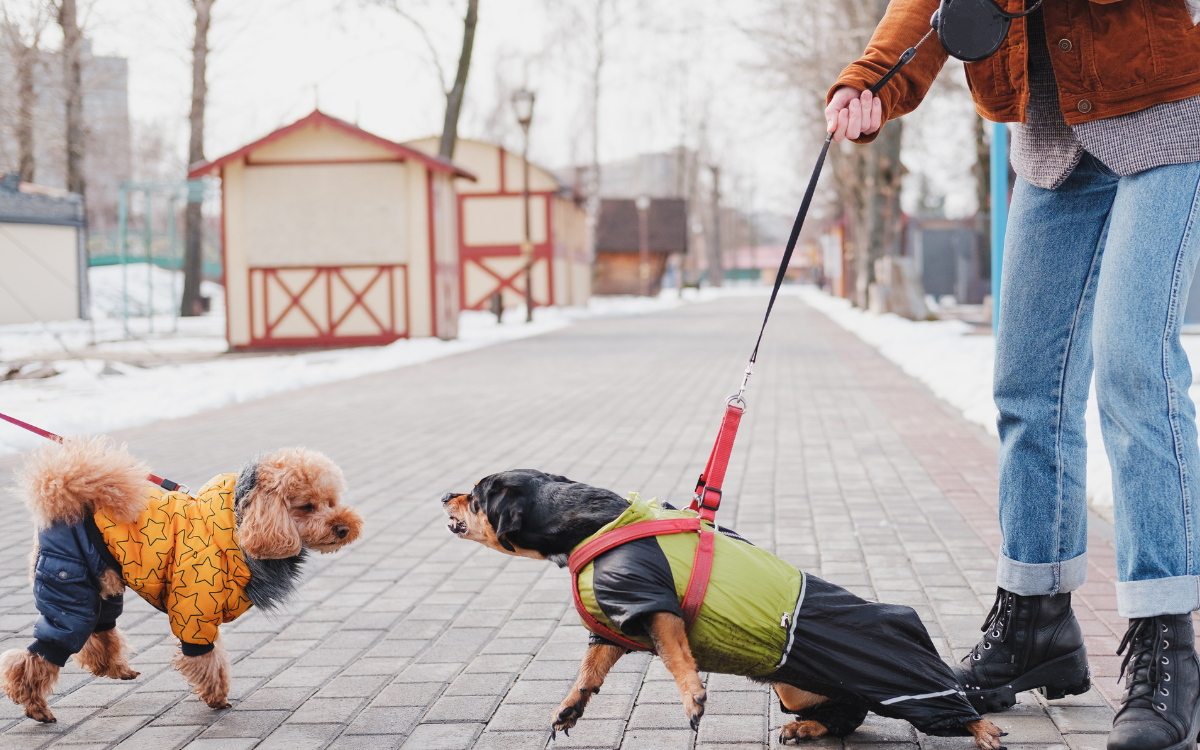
(851, 114)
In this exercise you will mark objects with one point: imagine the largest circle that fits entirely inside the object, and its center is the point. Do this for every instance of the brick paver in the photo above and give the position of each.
(412, 638)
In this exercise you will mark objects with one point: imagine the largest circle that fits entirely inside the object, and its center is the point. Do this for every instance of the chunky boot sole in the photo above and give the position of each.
(1066, 675)
(1190, 739)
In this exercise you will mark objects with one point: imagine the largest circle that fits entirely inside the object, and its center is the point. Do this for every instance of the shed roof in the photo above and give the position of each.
(618, 230)
(435, 163)
(21, 204)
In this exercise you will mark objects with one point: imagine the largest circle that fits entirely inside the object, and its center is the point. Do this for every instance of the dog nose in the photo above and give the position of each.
(341, 531)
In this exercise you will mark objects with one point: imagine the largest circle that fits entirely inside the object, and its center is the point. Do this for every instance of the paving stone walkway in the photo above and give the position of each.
(412, 638)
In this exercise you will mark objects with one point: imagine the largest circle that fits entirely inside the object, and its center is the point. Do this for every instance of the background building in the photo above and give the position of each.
(336, 237)
(107, 157)
(491, 230)
(619, 244)
(42, 258)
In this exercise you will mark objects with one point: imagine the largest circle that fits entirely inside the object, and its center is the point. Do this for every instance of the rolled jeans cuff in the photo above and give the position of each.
(1159, 596)
(1039, 579)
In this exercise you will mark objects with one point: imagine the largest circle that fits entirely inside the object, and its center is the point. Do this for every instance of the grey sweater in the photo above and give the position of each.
(1045, 149)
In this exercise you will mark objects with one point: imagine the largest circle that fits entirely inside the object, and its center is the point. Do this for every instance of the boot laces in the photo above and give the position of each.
(999, 619)
(998, 624)
(1144, 661)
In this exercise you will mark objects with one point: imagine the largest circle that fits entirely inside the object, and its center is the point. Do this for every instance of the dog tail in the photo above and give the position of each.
(63, 483)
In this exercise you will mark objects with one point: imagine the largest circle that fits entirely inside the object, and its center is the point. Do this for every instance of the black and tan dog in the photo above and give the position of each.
(839, 656)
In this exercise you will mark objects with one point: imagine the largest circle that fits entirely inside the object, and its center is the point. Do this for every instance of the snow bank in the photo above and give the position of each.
(956, 364)
(157, 288)
(92, 395)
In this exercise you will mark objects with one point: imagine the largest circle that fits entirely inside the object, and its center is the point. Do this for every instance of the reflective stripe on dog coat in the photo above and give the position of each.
(182, 557)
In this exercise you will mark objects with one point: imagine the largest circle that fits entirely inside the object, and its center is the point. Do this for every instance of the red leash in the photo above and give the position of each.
(707, 498)
(166, 484)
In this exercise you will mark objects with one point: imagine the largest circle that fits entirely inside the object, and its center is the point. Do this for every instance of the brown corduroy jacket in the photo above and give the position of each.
(1110, 57)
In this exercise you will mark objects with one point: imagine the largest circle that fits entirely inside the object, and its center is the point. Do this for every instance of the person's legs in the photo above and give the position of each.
(1149, 426)
(1142, 380)
(1052, 259)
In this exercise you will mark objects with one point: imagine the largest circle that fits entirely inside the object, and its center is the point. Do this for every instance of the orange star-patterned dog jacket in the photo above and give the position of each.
(181, 556)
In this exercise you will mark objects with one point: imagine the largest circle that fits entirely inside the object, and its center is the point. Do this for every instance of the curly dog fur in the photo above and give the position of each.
(28, 680)
(293, 503)
(63, 482)
(208, 674)
(104, 656)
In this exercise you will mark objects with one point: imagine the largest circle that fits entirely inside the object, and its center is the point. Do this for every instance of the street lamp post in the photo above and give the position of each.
(522, 102)
(643, 208)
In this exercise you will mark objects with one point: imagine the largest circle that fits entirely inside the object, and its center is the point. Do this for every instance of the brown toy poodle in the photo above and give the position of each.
(203, 560)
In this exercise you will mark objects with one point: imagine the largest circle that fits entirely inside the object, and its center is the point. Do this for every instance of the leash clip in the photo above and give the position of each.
(741, 390)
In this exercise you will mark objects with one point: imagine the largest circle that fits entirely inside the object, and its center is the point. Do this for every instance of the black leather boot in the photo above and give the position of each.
(1160, 709)
(1030, 643)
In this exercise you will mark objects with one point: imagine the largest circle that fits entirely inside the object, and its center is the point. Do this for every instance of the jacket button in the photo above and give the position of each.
(1064, 45)
(62, 575)
(1084, 106)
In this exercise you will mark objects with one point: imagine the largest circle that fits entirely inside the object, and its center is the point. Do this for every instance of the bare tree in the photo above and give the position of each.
(23, 36)
(578, 26)
(806, 45)
(72, 50)
(193, 265)
(454, 93)
(454, 98)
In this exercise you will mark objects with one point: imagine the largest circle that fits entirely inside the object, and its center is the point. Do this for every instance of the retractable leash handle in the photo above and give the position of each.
(707, 498)
(166, 484)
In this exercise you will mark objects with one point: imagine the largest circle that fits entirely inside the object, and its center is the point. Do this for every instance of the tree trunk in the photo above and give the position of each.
(454, 99)
(193, 265)
(593, 186)
(68, 19)
(27, 58)
(983, 190)
(716, 265)
(868, 182)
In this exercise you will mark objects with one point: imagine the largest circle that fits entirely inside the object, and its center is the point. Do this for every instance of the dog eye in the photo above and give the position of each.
(307, 508)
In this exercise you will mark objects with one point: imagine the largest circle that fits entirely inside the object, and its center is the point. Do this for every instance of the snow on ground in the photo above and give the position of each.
(95, 395)
(956, 364)
(105, 333)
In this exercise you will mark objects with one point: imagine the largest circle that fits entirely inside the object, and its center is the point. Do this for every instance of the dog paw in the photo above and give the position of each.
(987, 735)
(219, 703)
(693, 707)
(571, 710)
(40, 713)
(801, 730)
(118, 672)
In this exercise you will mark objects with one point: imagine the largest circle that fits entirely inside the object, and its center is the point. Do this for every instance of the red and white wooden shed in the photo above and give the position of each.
(332, 236)
(491, 229)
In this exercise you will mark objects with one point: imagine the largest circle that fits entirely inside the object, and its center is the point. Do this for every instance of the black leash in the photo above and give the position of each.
(905, 58)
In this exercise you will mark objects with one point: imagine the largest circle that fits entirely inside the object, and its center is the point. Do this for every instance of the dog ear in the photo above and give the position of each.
(507, 521)
(266, 530)
(503, 504)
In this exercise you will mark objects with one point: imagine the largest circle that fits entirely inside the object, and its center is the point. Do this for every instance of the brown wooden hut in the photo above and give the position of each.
(618, 267)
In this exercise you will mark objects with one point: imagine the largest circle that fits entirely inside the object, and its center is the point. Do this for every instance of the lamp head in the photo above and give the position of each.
(522, 101)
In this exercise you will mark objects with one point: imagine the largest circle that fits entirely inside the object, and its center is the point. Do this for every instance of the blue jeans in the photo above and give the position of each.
(1096, 274)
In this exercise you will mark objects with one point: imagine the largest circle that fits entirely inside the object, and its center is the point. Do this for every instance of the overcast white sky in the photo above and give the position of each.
(674, 68)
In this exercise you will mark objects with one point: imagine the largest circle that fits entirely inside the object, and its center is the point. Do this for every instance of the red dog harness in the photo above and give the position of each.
(706, 502)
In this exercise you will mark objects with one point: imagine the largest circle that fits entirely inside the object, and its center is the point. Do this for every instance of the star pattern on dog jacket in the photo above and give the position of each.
(181, 555)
